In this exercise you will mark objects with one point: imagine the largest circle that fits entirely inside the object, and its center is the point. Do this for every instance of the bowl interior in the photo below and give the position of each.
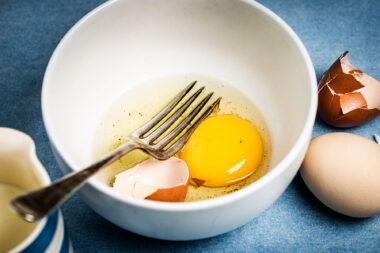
(127, 42)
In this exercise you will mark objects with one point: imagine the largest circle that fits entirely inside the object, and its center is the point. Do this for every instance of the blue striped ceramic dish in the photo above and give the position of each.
(24, 170)
(51, 237)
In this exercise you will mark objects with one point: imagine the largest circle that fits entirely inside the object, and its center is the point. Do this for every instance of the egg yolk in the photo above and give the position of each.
(223, 150)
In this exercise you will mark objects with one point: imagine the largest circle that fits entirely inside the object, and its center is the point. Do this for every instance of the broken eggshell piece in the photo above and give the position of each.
(347, 96)
(155, 180)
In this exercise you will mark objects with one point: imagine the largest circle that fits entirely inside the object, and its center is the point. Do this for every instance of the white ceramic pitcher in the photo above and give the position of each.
(20, 169)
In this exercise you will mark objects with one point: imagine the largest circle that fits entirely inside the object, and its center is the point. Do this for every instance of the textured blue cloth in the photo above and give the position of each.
(297, 222)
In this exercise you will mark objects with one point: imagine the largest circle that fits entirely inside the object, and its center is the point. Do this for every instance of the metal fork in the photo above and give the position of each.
(38, 204)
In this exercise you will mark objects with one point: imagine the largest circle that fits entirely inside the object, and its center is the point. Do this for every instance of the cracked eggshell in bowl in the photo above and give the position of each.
(155, 180)
(343, 171)
(347, 96)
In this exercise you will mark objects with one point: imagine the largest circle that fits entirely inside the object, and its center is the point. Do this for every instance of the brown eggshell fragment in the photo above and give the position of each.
(152, 179)
(343, 171)
(174, 194)
(352, 101)
(346, 96)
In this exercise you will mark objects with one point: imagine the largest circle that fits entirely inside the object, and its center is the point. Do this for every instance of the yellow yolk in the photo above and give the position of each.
(223, 150)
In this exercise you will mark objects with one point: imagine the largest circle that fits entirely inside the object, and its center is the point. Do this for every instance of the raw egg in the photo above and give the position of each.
(132, 109)
(222, 150)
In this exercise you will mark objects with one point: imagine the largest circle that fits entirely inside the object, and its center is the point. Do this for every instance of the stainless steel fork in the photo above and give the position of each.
(38, 204)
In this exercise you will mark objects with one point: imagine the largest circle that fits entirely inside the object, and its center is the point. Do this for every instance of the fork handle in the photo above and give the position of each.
(38, 204)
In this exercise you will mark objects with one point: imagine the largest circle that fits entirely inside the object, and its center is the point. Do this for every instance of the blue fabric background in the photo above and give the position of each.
(297, 222)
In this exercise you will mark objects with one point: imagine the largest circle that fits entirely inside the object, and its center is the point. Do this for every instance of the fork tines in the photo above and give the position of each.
(150, 133)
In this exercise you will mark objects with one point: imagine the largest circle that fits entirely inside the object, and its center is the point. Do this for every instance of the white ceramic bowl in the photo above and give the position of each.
(122, 43)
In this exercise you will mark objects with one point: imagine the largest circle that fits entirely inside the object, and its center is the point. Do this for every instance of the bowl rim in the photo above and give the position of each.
(303, 137)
